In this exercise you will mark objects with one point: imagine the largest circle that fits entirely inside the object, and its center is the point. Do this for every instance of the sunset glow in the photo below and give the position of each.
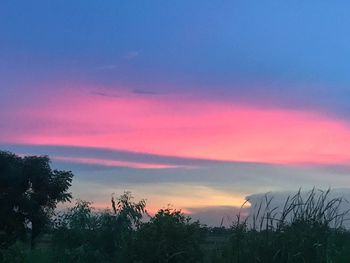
(183, 126)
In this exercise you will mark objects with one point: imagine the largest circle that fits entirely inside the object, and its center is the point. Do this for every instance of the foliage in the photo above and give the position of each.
(128, 212)
(46, 187)
(308, 229)
(30, 190)
(84, 235)
(21, 252)
(12, 186)
(169, 236)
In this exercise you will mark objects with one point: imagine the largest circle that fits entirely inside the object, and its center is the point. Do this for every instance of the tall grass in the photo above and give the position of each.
(307, 228)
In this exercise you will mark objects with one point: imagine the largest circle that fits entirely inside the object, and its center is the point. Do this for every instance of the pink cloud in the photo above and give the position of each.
(181, 126)
(115, 163)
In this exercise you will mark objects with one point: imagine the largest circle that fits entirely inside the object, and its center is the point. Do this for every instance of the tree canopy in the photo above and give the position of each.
(29, 192)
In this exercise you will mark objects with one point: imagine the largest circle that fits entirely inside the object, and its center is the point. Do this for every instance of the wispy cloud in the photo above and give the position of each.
(132, 54)
(105, 94)
(145, 92)
(113, 157)
(115, 163)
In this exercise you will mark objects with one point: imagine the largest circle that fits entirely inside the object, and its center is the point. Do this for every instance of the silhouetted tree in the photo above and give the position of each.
(12, 188)
(30, 191)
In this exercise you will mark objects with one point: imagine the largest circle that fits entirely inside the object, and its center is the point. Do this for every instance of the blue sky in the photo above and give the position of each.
(200, 42)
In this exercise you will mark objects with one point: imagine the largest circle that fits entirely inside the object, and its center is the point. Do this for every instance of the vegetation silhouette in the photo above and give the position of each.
(29, 193)
(307, 228)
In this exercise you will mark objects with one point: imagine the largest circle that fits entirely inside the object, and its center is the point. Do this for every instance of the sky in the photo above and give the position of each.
(193, 104)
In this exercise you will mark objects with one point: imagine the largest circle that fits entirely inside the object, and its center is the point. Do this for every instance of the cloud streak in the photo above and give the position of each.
(180, 126)
(114, 163)
(75, 152)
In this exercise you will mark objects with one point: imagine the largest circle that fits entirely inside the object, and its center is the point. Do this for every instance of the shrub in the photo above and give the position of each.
(169, 236)
(83, 235)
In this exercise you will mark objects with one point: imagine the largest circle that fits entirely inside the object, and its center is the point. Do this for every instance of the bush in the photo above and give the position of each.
(83, 235)
(169, 236)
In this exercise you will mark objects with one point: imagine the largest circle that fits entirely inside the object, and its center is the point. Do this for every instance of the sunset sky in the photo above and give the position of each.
(196, 104)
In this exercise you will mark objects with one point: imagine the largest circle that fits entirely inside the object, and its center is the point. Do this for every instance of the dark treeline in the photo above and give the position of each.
(308, 228)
